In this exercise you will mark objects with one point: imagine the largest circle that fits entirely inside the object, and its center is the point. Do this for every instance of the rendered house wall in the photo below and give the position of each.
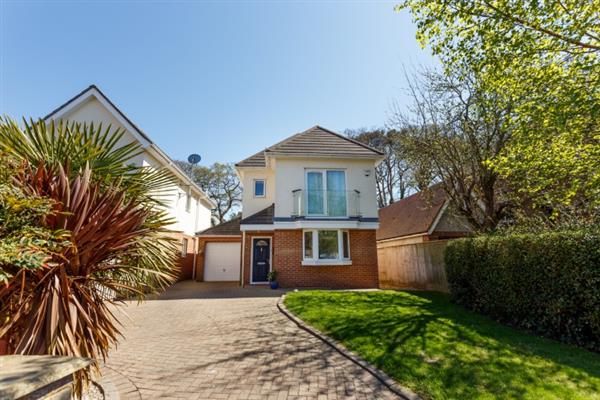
(187, 222)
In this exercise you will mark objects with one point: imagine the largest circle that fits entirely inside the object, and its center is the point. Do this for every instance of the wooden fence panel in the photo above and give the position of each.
(412, 266)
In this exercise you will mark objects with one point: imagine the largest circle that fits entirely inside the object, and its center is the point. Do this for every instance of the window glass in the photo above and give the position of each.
(314, 183)
(328, 245)
(188, 201)
(336, 193)
(259, 188)
(346, 244)
(184, 244)
(308, 245)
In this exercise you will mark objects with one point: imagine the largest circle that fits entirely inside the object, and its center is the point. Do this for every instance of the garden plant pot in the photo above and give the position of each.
(274, 284)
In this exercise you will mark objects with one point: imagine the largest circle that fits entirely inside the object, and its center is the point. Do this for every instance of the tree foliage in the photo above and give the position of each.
(543, 58)
(221, 183)
(448, 133)
(394, 176)
(114, 242)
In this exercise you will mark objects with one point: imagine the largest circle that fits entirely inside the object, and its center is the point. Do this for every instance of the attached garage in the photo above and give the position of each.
(222, 261)
(219, 253)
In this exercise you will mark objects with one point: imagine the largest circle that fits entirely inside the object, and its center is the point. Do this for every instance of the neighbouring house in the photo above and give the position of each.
(309, 211)
(188, 206)
(411, 238)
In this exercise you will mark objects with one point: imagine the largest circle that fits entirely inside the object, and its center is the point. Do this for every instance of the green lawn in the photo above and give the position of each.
(442, 351)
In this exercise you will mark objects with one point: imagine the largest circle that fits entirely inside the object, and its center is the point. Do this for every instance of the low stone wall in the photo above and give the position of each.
(38, 377)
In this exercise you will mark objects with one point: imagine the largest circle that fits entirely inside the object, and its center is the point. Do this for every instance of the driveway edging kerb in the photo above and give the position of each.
(381, 376)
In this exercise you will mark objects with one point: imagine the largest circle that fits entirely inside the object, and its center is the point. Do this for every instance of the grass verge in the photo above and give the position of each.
(442, 351)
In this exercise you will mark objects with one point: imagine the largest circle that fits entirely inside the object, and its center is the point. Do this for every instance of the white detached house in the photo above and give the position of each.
(186, 203)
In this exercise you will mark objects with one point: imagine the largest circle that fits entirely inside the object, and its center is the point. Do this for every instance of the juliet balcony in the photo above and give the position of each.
(326, 203)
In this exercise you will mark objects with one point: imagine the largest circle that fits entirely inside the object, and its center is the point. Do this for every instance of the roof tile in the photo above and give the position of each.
(314, 142)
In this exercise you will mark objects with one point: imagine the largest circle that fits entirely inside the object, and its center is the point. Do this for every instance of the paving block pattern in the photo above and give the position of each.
(216, 341)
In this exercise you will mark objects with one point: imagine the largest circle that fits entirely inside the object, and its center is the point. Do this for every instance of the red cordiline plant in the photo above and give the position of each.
(115, 242)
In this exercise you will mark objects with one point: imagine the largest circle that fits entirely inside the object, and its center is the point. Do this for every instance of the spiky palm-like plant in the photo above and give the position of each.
(116, 238)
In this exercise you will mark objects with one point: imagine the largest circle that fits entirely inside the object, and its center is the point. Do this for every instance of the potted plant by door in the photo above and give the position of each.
(272, 277)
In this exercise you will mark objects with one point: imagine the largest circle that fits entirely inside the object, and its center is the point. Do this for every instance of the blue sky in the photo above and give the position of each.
(222, 79)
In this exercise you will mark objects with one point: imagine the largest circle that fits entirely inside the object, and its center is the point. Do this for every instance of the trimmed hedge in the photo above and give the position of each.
(546, 283)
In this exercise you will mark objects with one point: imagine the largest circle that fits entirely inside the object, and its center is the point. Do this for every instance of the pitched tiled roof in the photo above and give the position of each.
(314, 142)
(260, 218)
(412, 215)
(229, 228)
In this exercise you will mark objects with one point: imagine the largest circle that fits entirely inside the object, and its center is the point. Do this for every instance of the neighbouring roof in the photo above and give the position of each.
(96, 88)
(229, 228)
(314, 142)
(93, 90)
(412, 215)
(262, 217)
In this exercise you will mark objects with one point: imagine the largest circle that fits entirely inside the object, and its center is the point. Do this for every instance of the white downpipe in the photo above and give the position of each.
(194, 262)
(242, 258)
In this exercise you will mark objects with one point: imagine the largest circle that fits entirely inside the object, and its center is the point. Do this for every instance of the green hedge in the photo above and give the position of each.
(546, 283)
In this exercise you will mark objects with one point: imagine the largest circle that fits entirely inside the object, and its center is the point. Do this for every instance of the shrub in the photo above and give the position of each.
(547, 283)
(97, 230)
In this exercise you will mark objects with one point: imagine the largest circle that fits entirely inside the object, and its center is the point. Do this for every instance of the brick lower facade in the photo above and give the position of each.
(185, 264)
(287, 260)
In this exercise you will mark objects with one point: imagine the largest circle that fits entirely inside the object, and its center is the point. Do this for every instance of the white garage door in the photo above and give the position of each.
(222, 262)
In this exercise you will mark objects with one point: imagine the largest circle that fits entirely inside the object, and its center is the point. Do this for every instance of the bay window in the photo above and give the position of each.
(326, 246)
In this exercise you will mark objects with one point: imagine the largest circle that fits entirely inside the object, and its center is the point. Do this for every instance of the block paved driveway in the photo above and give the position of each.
(217, 341)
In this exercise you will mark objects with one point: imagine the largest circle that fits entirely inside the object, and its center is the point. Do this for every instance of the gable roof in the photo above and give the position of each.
(412, 215)
(314, 142)
(147, 144)
(263, 217)
(229, 228)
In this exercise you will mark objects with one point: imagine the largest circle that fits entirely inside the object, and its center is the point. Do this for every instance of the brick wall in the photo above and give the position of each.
(185, 263)
(202, 240)
(287, 260)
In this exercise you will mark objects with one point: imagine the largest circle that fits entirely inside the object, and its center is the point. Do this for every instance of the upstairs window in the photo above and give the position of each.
(259, 188)
(188, 200)
(326, 193)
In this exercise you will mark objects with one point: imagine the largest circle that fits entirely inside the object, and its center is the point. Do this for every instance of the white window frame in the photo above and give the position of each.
(264, 181)
(184, 247)
(188, 200)
(315, 260)
(323, 172)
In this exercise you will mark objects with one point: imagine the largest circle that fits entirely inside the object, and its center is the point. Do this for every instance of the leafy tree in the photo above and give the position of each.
(543, 58)
(447, 135)
(114, 241)
(221, 183)
(394, 179)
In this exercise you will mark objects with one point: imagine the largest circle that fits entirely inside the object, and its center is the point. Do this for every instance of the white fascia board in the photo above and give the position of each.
(438, 217)
(93, 92)
(308, 224)
(257, 227)
(160, 155)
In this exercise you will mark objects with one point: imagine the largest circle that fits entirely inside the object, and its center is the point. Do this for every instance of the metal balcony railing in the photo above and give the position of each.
(326, 203)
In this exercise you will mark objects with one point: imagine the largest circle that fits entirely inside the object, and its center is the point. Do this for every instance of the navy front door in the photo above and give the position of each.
(261, 259)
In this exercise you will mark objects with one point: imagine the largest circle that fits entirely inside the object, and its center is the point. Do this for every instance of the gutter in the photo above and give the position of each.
(155, 150)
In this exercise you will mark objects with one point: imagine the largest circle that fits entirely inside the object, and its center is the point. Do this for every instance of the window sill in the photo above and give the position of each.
(326, 262)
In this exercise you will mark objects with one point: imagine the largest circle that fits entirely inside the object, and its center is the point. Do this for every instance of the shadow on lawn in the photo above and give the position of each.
(444, 351)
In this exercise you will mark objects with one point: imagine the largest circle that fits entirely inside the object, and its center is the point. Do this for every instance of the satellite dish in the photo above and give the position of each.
(194, 159)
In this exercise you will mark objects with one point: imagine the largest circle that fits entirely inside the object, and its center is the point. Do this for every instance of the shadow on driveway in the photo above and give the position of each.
(215, 290)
